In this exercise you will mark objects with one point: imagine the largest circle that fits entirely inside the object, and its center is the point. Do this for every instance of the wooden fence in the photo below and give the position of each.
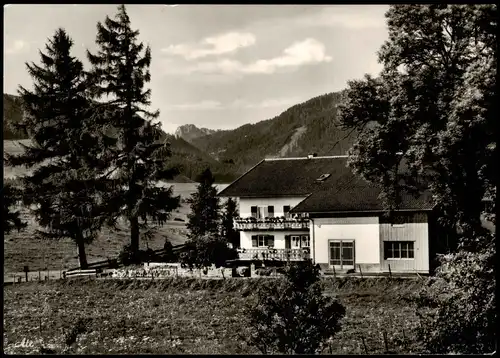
(114, 263)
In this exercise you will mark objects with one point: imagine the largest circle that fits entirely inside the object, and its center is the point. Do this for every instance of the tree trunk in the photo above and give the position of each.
(82, 256)
(134, 234)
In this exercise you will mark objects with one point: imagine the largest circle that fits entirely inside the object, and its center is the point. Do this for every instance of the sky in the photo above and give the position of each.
(217, 66)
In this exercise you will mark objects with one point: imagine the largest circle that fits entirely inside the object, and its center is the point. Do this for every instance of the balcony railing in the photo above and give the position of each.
(271, 224)
(274, 254)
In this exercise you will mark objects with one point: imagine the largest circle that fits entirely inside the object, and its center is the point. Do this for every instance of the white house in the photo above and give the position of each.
(315, 207)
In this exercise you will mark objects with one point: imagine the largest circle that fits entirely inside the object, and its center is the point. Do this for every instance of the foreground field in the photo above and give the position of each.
(190, 316)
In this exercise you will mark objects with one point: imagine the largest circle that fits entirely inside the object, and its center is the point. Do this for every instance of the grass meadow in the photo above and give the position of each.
(190, 316)
(22, 249)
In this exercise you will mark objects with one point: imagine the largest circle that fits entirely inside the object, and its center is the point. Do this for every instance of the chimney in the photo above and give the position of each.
(313, 155)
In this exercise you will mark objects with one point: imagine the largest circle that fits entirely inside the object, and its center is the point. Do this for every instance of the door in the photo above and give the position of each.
(341, 254)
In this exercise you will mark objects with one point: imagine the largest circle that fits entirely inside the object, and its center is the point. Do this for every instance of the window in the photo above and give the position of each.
(399, 250)
(286, 211)
(323, 177)
(262, 241)
(299, 241)
(261, 212)
(306, 241)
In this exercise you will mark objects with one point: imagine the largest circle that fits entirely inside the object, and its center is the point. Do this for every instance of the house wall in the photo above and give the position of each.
(411, 227)
(279, 237)
(363, 230)
(278, 203)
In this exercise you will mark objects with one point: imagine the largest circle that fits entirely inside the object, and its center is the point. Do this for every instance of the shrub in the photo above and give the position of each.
(170, 255)
(203, 251)
(457, 310)
(294, 317)
(129, 257)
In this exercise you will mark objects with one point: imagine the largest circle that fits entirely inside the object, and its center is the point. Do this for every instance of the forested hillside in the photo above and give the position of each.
(305, 128)
(309, 127)
(190, 160)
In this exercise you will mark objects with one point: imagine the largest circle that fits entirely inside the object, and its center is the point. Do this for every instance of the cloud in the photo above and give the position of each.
(236, 104)
(17, 47)
(348, 16)
(308, 51)
(216, 45)
(300, 53)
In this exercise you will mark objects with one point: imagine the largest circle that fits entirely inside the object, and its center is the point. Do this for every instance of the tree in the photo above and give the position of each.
(434, 103)
(433, 112)
(294, 317)
(227, 225)
(62, 189)
(204, 216)
(118, 77)
(11, 218)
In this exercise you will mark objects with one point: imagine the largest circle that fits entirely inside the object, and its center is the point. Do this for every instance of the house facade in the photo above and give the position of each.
(293, 209)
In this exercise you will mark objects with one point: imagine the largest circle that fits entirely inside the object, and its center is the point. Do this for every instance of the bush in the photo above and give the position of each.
(457, 310)
(128, 257)
(294, 317)
(203, 251)
(169, 255)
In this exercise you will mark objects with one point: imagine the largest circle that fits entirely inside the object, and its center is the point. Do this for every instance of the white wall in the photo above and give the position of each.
(279, 237)
(278, 203)
(364, 230)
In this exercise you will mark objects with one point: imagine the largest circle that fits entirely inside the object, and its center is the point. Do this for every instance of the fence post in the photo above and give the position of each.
(334, 273)
(39, 275)
(364, 344)
(404, 340)
(390, 272)
(359, 266)
(384, 334)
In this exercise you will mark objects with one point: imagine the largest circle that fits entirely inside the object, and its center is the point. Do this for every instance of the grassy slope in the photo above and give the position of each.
(187, 316)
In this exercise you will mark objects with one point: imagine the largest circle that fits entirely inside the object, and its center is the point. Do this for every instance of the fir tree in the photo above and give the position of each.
(119, 74)
(227, 225)
(61, 191)
(11, 218)
(204, 216)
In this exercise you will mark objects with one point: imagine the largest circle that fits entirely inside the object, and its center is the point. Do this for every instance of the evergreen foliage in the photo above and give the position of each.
(204, 216)
(62, 190)
(11, 217)
(120, 71)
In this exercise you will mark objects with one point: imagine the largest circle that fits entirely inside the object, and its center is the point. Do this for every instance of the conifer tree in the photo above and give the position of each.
(64, 150)
(204, 215)
(11, 218)
(227, 225)
(118, 75)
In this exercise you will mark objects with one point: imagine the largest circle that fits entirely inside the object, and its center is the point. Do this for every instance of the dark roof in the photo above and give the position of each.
(358, 196)
(342, 191)
(288, 177)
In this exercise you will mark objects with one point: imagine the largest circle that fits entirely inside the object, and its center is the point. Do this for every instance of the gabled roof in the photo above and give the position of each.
(288, 177)
(341, 191)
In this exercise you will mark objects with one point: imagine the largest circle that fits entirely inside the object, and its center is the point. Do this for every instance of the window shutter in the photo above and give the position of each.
(253, 210)
(288, 242)
(254, 241)
(270, 211)
(270, 241)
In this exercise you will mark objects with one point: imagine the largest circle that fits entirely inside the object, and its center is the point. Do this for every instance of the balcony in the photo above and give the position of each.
(274, 254)
(253, 224)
